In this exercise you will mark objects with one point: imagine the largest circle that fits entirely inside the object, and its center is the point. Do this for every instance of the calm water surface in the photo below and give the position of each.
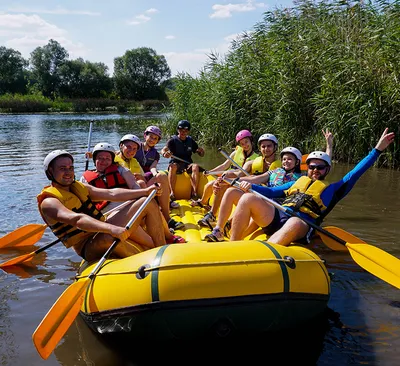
(364, 330)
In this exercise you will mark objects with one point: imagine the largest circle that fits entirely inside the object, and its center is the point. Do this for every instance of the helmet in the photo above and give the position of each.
(319, 155)
(130, 137)
(153, 129)
(242, 134)
(184, 124)
(292, 150)
(103, 146)
(268, 136)
(51, 156)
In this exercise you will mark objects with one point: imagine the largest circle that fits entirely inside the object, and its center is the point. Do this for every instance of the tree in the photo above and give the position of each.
(84, 79)
(140, 74)
(45, 63)
(12, 65)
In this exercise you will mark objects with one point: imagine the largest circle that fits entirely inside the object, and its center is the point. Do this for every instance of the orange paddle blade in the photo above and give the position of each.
(303, 165)
(340, 233)
(59, 318)
(20, 259)
(343, 234)
(23, 236)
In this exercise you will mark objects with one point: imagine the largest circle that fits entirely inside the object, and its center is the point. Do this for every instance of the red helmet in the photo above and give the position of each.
(153, 129)
(242, 134)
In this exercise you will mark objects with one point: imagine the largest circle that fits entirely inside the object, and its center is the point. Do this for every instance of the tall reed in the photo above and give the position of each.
(317, 65)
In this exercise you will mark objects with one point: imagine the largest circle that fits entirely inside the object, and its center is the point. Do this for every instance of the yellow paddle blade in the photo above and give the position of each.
(59, 318)
(376, 261)
(23, 236)
(20, 259)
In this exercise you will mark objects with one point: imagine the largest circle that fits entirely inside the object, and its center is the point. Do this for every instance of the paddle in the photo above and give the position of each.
(376, 261)
(344, 235)
(89, 142)
(64, 311)
(25, 257)
(23, 236)
(233, 161)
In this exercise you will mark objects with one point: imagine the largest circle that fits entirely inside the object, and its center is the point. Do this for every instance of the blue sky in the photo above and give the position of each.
(98, 31)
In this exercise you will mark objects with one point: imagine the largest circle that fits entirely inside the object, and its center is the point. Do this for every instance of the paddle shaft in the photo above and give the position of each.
(64, 311)
(89, 143)
(128, 226)
(233, 162)
(184, 161)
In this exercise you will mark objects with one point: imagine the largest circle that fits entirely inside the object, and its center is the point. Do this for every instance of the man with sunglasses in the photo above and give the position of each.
(311, 196)
(182, 146)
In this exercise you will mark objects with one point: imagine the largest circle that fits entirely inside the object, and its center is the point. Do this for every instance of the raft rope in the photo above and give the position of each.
(206, 264)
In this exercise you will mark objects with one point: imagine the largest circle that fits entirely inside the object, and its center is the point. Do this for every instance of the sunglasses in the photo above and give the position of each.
(318, 167)
(183, 128)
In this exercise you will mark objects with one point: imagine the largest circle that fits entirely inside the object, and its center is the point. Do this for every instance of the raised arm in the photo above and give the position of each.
(329, 142)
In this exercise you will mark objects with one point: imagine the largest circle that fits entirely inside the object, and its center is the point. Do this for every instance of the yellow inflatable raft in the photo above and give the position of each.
(180, 291)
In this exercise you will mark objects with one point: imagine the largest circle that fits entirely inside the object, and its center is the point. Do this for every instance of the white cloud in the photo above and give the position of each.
(151, 11)
(170, 37)
(57, 11)
(225, 11)
(26, 32)
(139, 19)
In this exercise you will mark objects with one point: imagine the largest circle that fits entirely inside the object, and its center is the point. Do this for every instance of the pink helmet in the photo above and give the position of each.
(153, 129)
(242, 134)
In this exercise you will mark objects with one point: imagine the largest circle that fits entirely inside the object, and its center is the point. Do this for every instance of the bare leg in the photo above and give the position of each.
(207, 193)
(293, 230)
(172, 177)
(250, 206)
(218, 198)
(195, 177)
(230, 198)
(250, 228)
(163, 200)
(101, 242)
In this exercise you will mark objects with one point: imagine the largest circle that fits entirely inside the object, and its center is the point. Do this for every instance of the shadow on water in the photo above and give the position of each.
(302, 345)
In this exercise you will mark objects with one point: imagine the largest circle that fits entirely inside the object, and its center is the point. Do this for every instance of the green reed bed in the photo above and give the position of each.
(317, 65)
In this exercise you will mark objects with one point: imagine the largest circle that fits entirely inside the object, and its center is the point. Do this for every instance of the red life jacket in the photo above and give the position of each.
(111, 178)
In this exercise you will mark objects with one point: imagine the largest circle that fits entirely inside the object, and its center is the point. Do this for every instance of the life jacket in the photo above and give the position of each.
(305, 196)
(132, 164)
(280, 176)
(240, 158)
(257, 167)
(111, 178)
(77, 200)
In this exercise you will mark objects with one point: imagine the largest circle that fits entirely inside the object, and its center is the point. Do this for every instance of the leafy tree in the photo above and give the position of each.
(84, 79)
(140, 74)
(46, 62)
(12, 64)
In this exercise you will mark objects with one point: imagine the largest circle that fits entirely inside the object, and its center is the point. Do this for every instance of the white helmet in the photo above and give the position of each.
(130, 137)
(292, 150)
(268, 136)
(51, 156)
(319, 155)
(103, 146)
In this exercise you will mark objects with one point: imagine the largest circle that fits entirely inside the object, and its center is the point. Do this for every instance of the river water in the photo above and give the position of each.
(362, 328)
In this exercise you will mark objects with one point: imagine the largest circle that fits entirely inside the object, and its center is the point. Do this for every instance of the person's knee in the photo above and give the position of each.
(195, 169)
(173, 168)
(162, 178)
